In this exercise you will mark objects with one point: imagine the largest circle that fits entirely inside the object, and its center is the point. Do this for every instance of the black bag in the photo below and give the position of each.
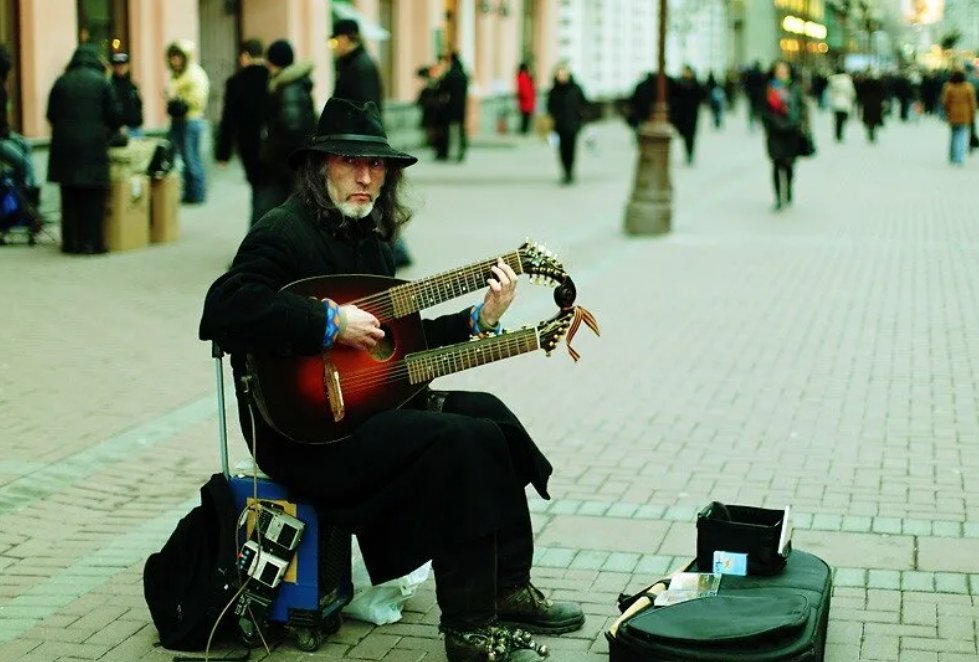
(755, 532)
(177, 108)
(806, 144)
(161, 162)
(190, 580)
(782, 618)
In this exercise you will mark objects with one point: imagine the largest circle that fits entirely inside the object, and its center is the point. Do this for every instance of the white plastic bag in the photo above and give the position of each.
(383, 603)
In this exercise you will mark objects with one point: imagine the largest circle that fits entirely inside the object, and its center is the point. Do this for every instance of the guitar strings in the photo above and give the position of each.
(401, 367)
(431, 285)
(368, 378)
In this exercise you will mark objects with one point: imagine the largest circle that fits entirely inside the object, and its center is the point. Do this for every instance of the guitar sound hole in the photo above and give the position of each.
(384, 349)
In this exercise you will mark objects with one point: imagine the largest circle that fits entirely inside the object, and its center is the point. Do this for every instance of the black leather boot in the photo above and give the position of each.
(526, 607)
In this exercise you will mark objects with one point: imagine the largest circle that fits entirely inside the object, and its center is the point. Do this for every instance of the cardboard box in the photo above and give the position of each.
(132, 159)
(127, 219)
(164, 203)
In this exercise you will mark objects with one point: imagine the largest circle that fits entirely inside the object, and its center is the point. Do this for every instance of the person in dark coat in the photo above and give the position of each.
(433, 101)
(441, 477)
(127, 94)
(686, 96)
(357, 77)
(83, 112)
(642, 100)
(243, 117)
(289, 122)
(455, 82)
(786, 119)
(566, 106)
(871, 97)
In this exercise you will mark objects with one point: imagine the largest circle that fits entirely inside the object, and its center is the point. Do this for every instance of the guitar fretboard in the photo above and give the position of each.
(427, 292)
(426, 366)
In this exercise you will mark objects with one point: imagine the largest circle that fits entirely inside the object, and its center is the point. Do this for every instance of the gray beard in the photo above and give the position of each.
(355, 210)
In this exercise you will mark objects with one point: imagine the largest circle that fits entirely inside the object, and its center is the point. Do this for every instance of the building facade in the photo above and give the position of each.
(792, 30)
(609, 44)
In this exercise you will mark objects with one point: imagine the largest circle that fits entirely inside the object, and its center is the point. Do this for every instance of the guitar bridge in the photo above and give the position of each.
(331, 384)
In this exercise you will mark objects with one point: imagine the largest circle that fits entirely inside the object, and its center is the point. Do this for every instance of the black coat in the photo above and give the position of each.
(130, 103)
(242, 117)
(685, 97)
(357, 78)
(409, 482)
(83, 111)
(566, 105)
(783, 130)
(872, 96)
(290, 119)
(455, 83)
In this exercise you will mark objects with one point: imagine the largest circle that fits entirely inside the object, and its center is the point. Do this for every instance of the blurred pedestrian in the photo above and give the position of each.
(243, 117)
(686, 97)
(14, 150)
(786, 118)
(566, 106)
(526, 97)
(715, 99)
(357, 77)
(958, 99)
(186, 100)
(754, 89)
(127, 94)
(455, 82)
(842, 95)
(290, 119)
(83, 112)
(872, 98)
(641, 101)
(433, 102)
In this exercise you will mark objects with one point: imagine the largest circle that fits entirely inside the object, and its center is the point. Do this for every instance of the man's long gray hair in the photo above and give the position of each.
(389, 210)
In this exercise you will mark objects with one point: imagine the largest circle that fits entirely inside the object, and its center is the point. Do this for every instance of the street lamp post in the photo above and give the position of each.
(650, 209)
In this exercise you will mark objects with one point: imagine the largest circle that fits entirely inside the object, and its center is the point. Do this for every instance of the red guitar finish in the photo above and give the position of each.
(290, 391)
(325, 397)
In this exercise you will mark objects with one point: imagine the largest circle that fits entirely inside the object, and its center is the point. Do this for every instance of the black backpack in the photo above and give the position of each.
(190, 580)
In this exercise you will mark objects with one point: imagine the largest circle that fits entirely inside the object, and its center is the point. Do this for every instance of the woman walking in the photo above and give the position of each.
(842, 94)
(786, 120)
(526, 97)
(959, 102)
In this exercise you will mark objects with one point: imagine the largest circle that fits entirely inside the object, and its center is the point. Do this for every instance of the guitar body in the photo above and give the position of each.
(292, 392)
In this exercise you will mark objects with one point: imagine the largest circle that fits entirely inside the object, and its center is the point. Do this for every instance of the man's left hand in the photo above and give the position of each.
(502, 289)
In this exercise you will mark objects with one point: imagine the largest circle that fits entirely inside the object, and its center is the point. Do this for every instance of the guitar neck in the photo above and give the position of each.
(433, 290)
(425, 366)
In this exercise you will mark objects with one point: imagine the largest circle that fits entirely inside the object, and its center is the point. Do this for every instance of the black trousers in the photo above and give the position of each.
(525, 122)
(82, 218)
(782, 173)
(567, 146)
(841, 117)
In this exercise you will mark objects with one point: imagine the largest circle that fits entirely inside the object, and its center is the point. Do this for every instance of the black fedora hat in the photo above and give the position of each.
(346, 128)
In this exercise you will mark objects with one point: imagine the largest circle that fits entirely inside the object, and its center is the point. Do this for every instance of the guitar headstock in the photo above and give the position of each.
(553, 330)
(541, 265)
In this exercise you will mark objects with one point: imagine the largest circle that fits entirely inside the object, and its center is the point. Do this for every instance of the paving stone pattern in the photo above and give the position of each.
(824, 357)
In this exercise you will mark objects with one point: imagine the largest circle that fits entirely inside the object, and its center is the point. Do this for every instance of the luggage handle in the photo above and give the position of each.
(218, 355)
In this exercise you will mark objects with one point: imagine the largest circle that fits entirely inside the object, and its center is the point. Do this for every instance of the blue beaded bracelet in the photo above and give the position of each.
(332, 323)
(476, 327)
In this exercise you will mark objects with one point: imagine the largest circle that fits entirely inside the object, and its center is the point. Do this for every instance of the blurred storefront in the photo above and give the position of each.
(793, 30)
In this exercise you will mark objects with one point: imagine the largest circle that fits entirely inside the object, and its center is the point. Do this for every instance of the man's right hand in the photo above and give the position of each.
(362, 329)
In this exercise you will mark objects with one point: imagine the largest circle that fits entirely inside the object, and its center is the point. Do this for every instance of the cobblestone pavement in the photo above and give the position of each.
(825, 357)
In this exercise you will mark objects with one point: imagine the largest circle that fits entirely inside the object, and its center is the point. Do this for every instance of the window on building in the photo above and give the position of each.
(104, 23)
(9, 36)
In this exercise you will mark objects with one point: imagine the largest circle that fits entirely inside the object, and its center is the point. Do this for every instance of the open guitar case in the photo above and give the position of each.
(778, 612)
